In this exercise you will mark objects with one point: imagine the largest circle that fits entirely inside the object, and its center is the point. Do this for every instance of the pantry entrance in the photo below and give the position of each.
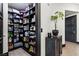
(24, 29)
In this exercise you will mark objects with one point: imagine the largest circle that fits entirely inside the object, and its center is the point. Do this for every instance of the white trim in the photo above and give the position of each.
(5, 27)
(70, 15)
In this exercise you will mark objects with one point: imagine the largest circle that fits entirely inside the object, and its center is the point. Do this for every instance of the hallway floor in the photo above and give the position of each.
(71, 49)
(18, 52)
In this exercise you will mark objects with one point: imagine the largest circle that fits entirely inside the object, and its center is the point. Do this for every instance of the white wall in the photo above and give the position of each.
(66, 6)
(60, 25)
(47, 24)
(46, 11)
(45, 21)
(71, 15)
(5, 27)
(70, 7)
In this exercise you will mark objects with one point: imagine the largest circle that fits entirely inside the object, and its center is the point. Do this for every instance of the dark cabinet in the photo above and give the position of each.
(53, 46)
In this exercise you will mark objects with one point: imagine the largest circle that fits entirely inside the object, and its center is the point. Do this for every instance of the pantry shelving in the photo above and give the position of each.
(13, 30)
(30, 23)
(22, 30)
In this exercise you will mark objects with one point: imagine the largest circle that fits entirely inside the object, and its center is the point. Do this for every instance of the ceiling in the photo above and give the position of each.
(67, 12)
(18, 6)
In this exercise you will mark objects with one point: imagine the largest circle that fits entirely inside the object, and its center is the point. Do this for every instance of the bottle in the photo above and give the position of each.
(31, 49)
(10, 39)
(20, 21)
(49, 35)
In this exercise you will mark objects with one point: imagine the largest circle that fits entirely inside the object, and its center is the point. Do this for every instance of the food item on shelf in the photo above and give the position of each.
(26, 14)
(18, 44)
(15, 20)
(21, 26)
(10, 22)
(33, 19)
(26, 45)
(10, 39)
(32, 42)
(32, 28)
(10, 28)
(21, 35)
(26, 27)
(31, 49)
(25, 20)
(16, 25)
(16, 38)
(10, 45)
(16, 16)
(16, 11)
(32, 37)
(20, 21)
(32, 33)
(26, 39)
(10, 34)
(26, 34)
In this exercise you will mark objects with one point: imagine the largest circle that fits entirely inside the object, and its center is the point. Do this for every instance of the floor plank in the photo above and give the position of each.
(18, 52)
(71, 49)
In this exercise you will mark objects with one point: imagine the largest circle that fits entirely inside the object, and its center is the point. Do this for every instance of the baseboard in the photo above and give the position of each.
(63, 45)
(4, 54)
(77, 42)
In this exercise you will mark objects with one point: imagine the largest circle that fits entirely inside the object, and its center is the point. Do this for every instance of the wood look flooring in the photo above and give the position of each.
(18, 52)
(71, 49)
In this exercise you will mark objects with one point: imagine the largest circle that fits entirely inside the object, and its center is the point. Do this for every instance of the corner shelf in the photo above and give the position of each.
(11, 12)
(14, 28)
(30, 9)
(26, 29)
(31, 12)
(29, 15)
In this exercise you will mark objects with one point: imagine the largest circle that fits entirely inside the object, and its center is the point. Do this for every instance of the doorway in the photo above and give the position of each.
(70, 26)
(24, 29)
(70, 34)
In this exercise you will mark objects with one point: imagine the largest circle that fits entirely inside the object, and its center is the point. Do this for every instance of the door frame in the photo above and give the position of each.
(38, 28)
